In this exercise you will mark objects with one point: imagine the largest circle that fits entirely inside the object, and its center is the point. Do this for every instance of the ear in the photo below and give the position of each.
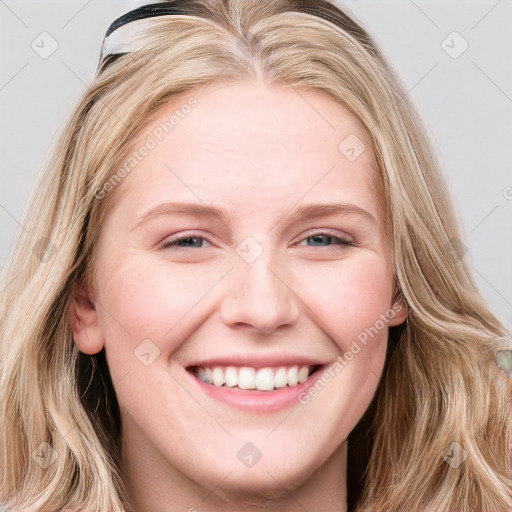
(398, 311)
(84, 321)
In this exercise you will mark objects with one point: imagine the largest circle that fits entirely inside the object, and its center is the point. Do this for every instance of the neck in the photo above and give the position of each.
(153, 485)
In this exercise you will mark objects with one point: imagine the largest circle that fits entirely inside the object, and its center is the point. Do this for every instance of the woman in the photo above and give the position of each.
(181, 345)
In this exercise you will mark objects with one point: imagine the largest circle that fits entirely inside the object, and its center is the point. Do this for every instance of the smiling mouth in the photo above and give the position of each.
(247, 378)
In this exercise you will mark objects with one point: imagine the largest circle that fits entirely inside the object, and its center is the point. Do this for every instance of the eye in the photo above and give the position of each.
(189, 240)
(322, 239)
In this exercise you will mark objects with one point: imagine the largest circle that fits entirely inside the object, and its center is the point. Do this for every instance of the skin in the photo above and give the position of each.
(259, 151)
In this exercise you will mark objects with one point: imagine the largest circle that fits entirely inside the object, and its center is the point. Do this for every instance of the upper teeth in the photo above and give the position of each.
(246, 377)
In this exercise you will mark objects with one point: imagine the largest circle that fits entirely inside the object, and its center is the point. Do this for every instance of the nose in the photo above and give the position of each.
(259, 297)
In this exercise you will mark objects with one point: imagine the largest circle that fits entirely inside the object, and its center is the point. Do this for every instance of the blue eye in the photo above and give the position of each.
(326, 237)
(191, 241)
(188, 239)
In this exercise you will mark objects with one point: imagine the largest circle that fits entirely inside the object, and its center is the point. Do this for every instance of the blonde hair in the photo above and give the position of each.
(437, 387)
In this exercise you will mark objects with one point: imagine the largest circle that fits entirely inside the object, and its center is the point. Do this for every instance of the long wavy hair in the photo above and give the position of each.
(60, 425)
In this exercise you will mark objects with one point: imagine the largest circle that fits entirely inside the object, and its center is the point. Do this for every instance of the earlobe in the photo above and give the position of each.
(398, 311)
(84, 322)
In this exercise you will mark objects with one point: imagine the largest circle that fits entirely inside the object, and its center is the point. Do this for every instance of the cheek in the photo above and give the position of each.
(146, 298)
(348, 297)
(351, 303)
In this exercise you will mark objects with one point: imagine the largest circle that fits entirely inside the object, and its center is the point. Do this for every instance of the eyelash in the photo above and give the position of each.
(170, 244)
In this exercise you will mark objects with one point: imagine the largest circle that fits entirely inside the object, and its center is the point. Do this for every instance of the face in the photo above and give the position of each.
(248, 246)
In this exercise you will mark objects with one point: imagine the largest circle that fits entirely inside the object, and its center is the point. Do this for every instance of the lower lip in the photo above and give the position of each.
(258, 401)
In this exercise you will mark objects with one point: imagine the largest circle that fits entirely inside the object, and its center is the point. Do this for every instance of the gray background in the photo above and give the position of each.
(466, 99)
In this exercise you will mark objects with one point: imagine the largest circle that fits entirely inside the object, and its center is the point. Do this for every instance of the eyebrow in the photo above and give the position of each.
(222, 216)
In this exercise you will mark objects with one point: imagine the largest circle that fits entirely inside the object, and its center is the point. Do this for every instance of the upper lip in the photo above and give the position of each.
(257, 361)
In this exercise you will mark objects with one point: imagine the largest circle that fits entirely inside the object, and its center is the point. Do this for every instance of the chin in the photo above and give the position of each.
(268, 479)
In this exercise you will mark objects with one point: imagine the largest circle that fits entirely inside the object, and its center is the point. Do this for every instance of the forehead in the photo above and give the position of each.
(241, 143)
